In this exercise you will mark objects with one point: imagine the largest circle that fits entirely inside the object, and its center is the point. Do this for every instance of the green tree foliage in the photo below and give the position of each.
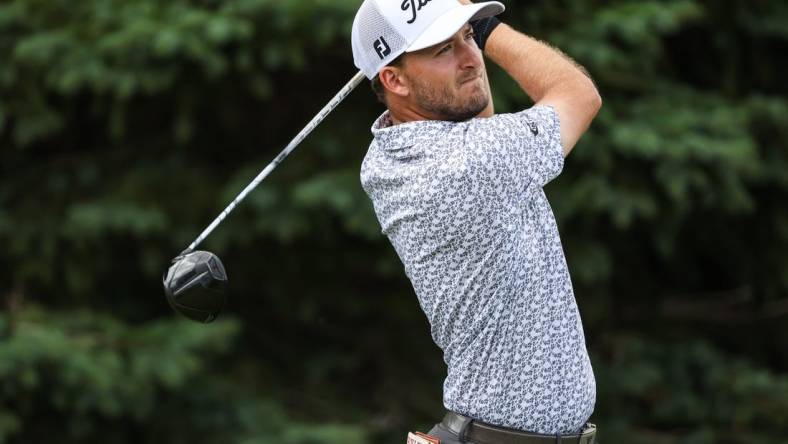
(686, 392)
(126, 126)
(88, 377)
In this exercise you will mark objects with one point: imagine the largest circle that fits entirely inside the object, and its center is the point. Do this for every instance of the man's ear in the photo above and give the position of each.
(393, 79)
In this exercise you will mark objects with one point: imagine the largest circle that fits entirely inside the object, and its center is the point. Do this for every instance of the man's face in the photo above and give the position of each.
(448, 81)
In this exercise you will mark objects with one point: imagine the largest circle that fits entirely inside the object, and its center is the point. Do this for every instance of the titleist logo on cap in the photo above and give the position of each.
(414, 6)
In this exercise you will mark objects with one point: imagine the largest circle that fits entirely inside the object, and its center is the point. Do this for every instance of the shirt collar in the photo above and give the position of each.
(393, 137)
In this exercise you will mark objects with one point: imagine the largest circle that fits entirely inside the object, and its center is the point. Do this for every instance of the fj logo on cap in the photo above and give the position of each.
(382, 47)
(414, 6)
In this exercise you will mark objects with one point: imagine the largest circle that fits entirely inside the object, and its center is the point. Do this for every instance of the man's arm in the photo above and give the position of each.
(549, 77)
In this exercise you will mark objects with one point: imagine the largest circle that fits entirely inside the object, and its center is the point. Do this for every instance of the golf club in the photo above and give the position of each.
(196, 282)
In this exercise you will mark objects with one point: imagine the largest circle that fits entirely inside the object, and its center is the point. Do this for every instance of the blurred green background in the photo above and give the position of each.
(127, 125)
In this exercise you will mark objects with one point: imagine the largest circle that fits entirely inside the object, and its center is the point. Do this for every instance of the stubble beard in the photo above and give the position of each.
(442, 102)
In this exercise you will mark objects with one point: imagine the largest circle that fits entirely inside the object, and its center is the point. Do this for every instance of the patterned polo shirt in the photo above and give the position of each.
(463, 205)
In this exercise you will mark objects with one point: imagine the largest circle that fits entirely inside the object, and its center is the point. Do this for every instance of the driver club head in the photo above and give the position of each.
(195, 285)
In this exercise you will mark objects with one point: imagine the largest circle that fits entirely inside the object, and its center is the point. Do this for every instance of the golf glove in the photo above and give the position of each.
(482, 29)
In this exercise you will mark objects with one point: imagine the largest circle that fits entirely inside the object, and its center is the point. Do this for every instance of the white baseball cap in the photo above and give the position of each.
(384, 29)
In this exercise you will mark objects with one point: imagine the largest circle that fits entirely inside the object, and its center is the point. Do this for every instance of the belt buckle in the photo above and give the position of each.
(462, 436)
(590, 429)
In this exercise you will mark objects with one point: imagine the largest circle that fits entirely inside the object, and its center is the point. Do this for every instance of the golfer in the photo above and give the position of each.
(458, 190)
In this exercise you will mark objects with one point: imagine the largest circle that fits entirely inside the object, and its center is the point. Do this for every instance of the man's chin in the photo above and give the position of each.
(469, 112)
(476, 101)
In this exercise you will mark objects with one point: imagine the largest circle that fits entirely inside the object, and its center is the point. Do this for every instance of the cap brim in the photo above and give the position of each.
(452, 21)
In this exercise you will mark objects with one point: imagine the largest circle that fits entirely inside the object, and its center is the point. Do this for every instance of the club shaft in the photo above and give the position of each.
(338, 98)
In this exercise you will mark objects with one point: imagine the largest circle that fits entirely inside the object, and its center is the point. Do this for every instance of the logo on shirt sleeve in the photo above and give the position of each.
(533, 127)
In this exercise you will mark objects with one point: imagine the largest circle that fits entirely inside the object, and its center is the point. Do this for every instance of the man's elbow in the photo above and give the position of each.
(593, 100)
(597, 102)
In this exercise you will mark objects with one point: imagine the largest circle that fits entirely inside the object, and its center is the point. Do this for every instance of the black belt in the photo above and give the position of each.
(470, 429)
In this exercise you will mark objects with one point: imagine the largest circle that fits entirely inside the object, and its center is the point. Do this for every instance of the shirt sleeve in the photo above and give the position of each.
(533, 141)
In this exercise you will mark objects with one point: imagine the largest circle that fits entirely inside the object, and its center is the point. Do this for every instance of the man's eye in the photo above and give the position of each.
(445, 49)
(470, 35)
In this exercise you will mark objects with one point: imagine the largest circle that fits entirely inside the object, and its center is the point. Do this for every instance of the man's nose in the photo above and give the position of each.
(470, 54)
